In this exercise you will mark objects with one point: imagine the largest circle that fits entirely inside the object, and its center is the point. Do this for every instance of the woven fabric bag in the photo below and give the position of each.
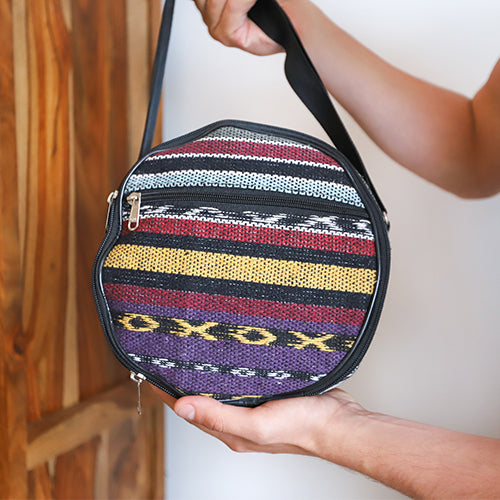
(243, 261)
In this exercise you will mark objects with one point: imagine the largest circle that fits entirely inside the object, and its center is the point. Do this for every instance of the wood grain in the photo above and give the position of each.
(68, 422)
(100, 141)
(40, 482)
(22, 107)
(102, 467)
(71, 392)
(12, 340)
(66, 429)
(47, 202)
(138, 72)
(75, 472)
(139, 454)
(154, 432)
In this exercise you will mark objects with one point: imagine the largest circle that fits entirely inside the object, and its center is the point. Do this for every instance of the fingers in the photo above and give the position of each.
(241, 429)
(230, 425)
(211, 11)
(224, 17)
(294, 425)
(213, 418)
(213, 415)
(228, 23)
(209, 413)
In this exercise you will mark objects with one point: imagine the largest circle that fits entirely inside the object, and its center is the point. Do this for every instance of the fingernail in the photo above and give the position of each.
(186, 412)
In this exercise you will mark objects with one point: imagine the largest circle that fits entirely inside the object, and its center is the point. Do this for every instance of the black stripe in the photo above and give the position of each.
(295, 295)
(244, 165)
(263, 250)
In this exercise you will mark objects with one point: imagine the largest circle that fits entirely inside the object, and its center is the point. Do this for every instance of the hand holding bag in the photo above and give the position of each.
(243, 261)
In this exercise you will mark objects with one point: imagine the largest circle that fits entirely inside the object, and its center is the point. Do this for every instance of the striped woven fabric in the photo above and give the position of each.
(235, 298)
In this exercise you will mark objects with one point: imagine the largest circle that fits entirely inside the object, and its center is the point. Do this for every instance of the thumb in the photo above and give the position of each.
(213, 415)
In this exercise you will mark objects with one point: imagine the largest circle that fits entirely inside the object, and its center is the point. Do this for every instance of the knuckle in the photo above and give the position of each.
(212, 29)
(219, 34)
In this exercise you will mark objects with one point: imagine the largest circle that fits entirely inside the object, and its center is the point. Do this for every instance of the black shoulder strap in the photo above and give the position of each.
(299, 70)
(157, 76)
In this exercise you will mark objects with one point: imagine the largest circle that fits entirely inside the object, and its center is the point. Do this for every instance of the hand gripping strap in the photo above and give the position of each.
(299, 70)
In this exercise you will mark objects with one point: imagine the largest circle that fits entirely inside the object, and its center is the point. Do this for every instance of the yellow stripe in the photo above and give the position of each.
(242, 268)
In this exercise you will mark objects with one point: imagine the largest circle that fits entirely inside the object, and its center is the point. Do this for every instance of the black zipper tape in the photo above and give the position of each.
(242, 197)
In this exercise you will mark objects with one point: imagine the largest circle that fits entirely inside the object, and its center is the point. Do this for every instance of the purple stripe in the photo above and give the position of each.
(234, 319)
(227, 353)
(210, 383)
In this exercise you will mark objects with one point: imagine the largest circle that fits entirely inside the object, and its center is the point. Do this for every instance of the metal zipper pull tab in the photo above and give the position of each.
(110, 199)
(134, 200)
(387, 221)
(138, 378)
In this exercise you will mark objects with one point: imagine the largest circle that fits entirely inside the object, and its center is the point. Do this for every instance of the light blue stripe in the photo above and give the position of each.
(246, 180)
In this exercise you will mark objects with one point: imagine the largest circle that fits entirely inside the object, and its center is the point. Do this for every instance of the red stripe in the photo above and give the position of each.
(235, 232)
(281, 151)
(236, 305)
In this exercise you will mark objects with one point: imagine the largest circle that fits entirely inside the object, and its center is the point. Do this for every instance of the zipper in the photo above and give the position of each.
(279, 132)
(112, 196)
(102, 307)
(138, 378)
(349, 365)
(373, 211)
(136, 198)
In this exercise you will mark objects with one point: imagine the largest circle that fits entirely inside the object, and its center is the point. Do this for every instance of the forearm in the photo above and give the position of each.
(429, 130)
(419, 460)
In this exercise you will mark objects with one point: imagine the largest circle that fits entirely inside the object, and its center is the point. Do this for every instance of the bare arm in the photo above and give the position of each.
(419, 460)
(444, 137)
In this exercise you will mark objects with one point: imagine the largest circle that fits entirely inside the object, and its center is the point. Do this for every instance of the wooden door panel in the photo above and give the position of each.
(45, 203)
(74, 473)
(100, 139)
(12, 342)
(39, 482)
(74, 76)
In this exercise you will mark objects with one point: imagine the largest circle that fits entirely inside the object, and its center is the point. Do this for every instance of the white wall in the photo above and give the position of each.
(434, 358)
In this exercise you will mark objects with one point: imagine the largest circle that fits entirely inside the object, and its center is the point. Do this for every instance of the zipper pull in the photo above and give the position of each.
(134, 200)
(110, 199)
(138, 378)
(387, 221)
